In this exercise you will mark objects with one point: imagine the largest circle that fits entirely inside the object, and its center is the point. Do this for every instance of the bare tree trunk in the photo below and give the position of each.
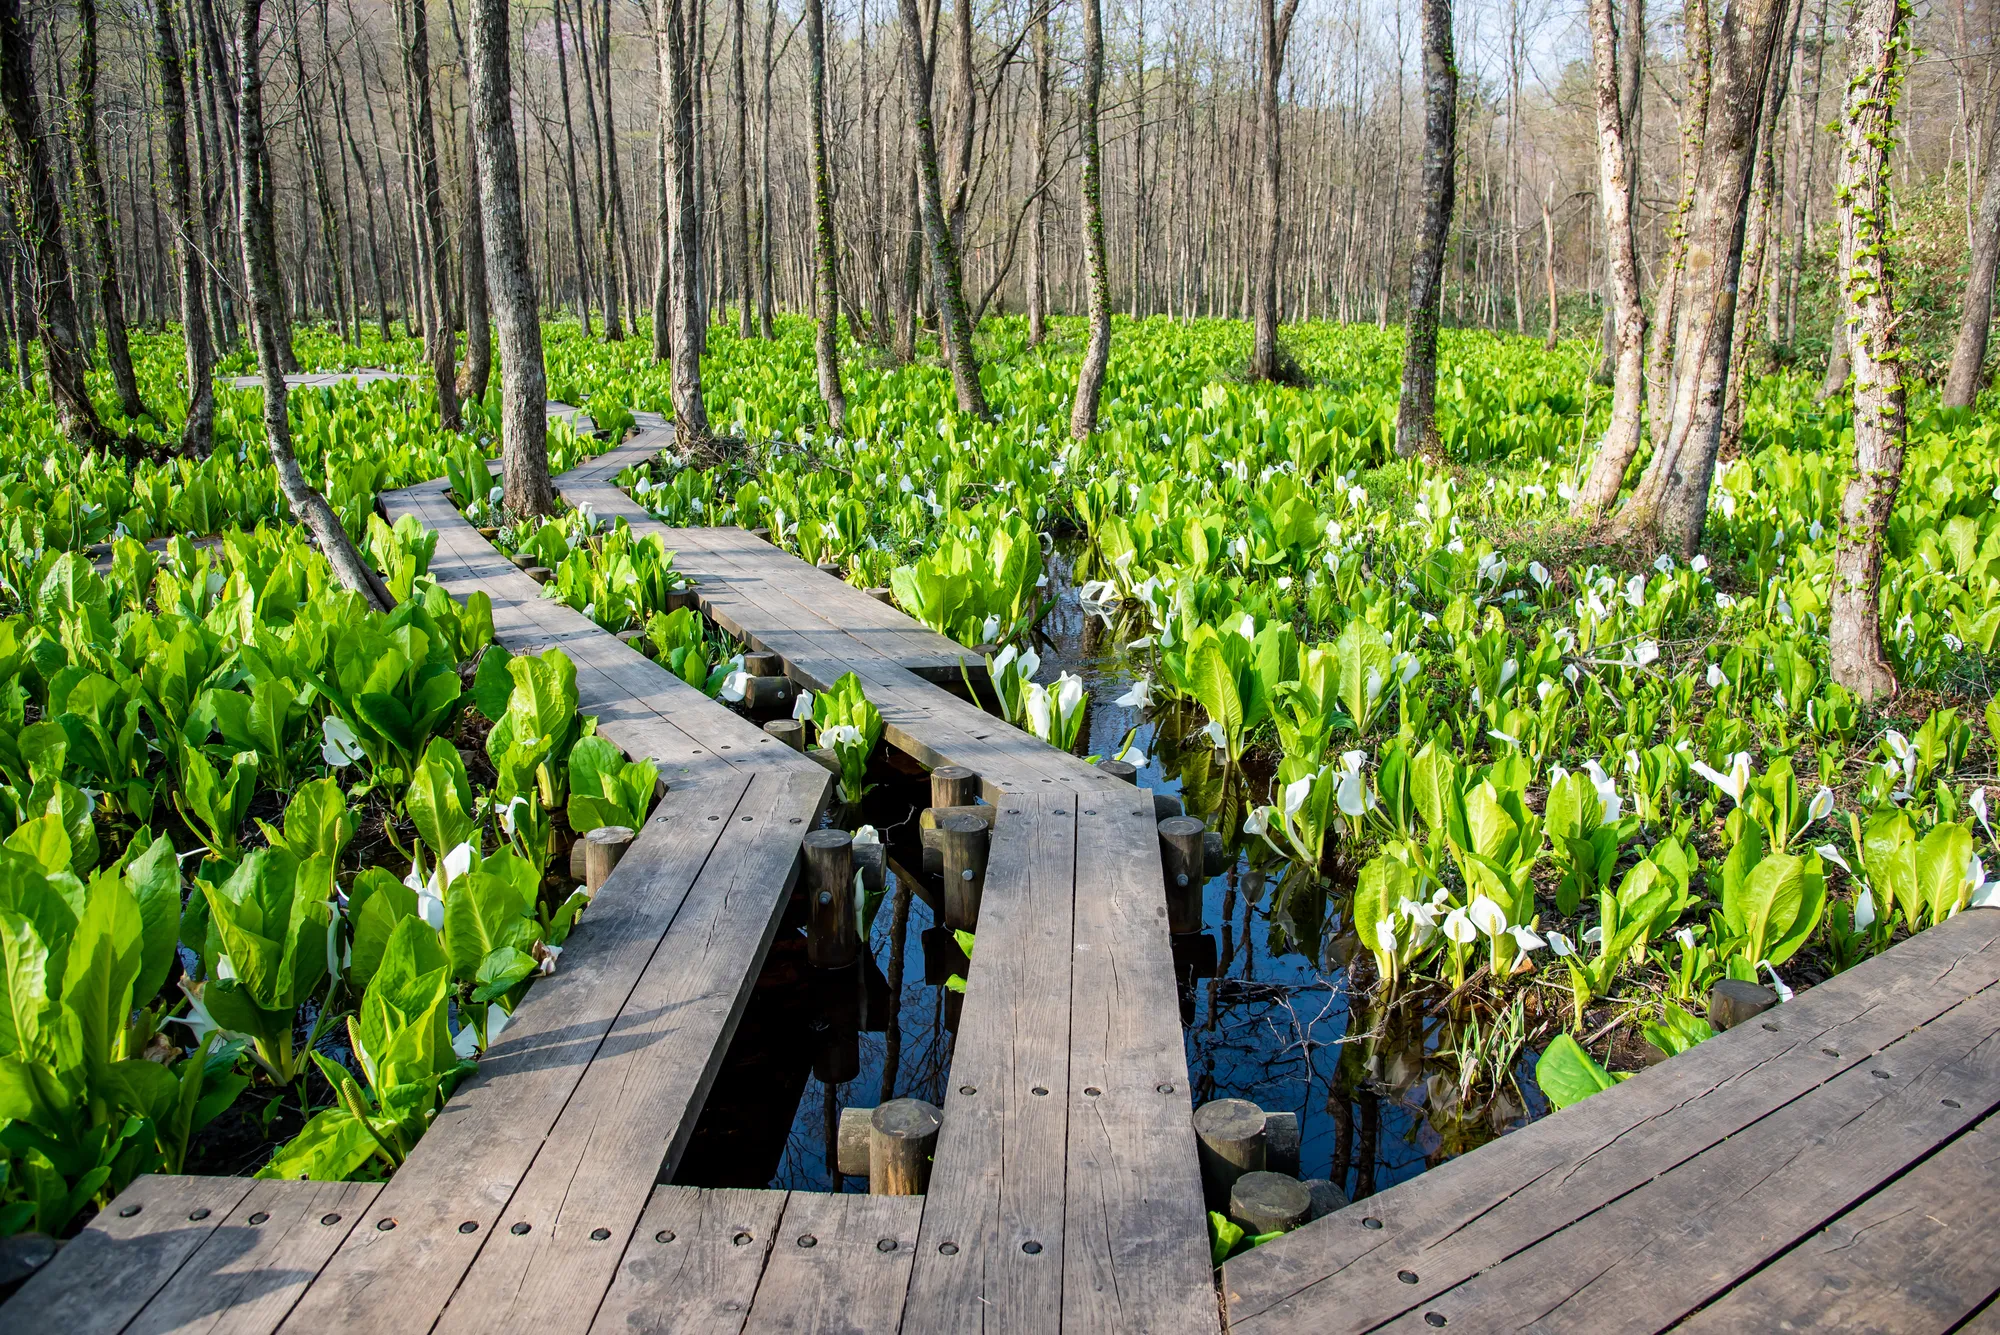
(1038, 232)
(439, 340)
(1666, 303)
(1621, 438)
(1274, 31)
(1975, 320)
(1097, 350)
(308, 506)
(684, 207)
(1549, 264)
(1878, 42)
(826, 274)
(46, 269)
(1416, 427)
(764, 183)
(579, 246)
(741, 185)
(472, 240)
(198, 433)
(1670, 504)
(90, 168)
(524, 424)
(946, 277)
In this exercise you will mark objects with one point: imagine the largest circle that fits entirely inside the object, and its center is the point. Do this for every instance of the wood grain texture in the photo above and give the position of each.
(635, 1106)
(123, 1257)
(1135, 1246)
(694, 1263)
(246, 1277)
(1472, 1213)
(996, 1189)
(850, 1279)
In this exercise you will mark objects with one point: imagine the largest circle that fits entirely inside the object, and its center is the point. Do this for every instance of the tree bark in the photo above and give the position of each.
(1878, 42)
(1274, 32)
(1097, 347)
(308, 506)
(198, 432)
(764, 260)
(90, 168)
(1975, 320)
(524, 422)
(439, 340)
(1038, 231)
(826, 273)
(745, 318)
(1416, 427)
(946, 277)
(1666, 304)
(1621, 438)
(1670, 504)
(579, 245)
(472, 236)
(684, 208)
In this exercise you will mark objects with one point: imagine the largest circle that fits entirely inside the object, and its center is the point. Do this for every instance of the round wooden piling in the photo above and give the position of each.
(965, 840)
(902, 1134)
(833, 938)
(522, 560)
(851, 1142)
(836, 1024)
(954, 786)
(830, 568)
(602, 849)
(1215, 857)
(680, 598)
(1231, 1132)
(881, 595)
(761, 533)
(789, 731)
(1269, 1203)
(763, 694)
(1120, 769)
(540, 574)
(1183, 858)
(764, 665)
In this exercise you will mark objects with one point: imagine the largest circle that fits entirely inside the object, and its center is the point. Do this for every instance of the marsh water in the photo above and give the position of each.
(1381, 1093)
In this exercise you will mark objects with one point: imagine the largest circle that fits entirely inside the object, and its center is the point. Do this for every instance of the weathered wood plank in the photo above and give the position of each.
(840, 1265)
(466, 1168)
(1135, 1246)
(251, 1270)
(996, 1190)
(1344, 1273)
(1916, 1256)
(694, 1263)
(132, 1250)
(632, 1111)
(1683, 1239)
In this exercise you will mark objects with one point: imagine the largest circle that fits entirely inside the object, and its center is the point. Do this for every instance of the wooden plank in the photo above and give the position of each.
(466, 1167)
(1986, 1321)
(990, 1253)
(693, 1264)
(1919, 1255)
(128, 1253)
(1684, 1238)
(839, 1266)
(633, 1110)
(252, 1269)
(1344, 1273)
(1135, 1246)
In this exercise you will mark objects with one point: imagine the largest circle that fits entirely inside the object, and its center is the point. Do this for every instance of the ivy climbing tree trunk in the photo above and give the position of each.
(1416, 410)
(524, 422)
(308, 505)
(1097, 346)
(90, 171)
(1877, 41)
(1628, 381)
(826, 274)
(198, 432)
(1274, 32)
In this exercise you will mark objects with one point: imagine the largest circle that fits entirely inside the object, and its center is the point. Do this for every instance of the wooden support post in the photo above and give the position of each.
(764, 694)
(1182, 858)
(1231, 1132)
(1215, 857)
(881, 595)
(764, 665)
(851, 1154)
(833, 938)
(902, 1133)
(830, 568)
(1269, 1203)
(835, 1026)
(954, 786)
(540, 574)
(523, 561)
(761, 533)
(602, 848)
(966, 840)
(680, 598)
(1166, 806)
(789, 731)
(1120, 769)
(634, 638)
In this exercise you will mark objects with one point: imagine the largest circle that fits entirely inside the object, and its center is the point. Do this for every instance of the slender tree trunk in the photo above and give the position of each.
(1274, 31)
(524, 391)
(946, 276)
(1621, 438)
(1097, 348)
(1670, 504)
(1877, 39)
(745, 328)
(579, 246)
(46, 268)
(1975, 320)
(198, 434)
(1416, 412)
(472, 240)
(826, 274)
(1038, 230)
(764, 257)
(308, 506)
(684, 206)
(1666, 304)
(663, 333)
(439, 340)
(1549, 264)
(90, 168)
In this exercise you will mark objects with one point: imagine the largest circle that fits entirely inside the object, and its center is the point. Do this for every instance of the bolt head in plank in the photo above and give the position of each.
(1269, 1203)
(902, 1135)
(954, 786)
(963, 844)
(833, 937)
(1232, 1137)
(602, 849)
(1182, 860)
(789, 731)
